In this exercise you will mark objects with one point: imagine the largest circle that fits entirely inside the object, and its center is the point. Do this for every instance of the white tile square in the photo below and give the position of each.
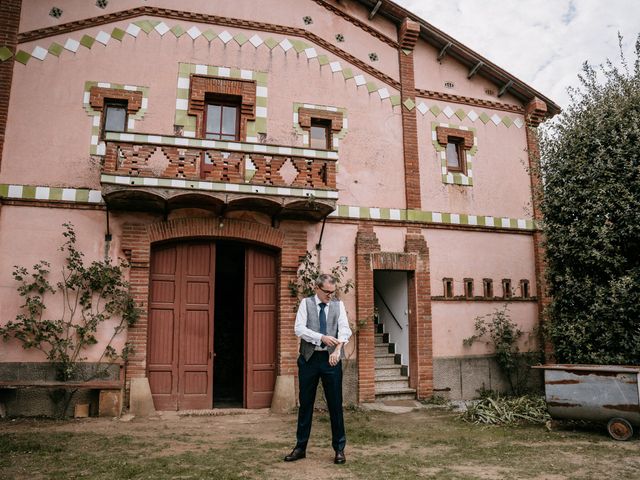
(506, 223)
(360, 80)
(224, 72)
(394, 214)
(182, 104)
(246, 74)
(261, 112)
(225, 36)
(354, 212)
(436, 217)
(72, 45)
(201, 69)
(103, 37)
(472, 115)
(286, 45)
(194, 32)
(256, 41)
(422, 108)
(335, 67)
(42, 193)
(95, 196)
(384, 93)
(162, 28)
(448, 111)
(15, 191)
(133, 30)
(496, 119)
(310, 52)
(262, 92)
(69, 194)
(374, 213)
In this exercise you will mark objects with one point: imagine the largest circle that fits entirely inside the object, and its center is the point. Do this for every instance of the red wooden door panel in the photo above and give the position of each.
(261, 315)
(179, 366)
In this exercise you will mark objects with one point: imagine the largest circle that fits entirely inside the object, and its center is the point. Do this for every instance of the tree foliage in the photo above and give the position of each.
(91, 295)
(590, 161)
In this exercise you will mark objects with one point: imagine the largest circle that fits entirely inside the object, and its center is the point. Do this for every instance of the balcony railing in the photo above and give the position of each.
(166, 166)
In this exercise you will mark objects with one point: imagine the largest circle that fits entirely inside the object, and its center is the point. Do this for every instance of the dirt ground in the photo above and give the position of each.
(426, 443)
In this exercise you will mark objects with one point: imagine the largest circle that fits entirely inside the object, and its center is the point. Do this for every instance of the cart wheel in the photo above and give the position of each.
(619, 429)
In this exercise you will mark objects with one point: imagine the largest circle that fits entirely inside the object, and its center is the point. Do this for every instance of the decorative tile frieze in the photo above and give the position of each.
(151, 26)
(461, 113)
(59, 194)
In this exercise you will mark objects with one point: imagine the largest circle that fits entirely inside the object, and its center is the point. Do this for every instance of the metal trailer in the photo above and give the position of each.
(601, 393)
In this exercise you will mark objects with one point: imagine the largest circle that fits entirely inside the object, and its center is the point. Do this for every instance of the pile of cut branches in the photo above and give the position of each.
(502, 410)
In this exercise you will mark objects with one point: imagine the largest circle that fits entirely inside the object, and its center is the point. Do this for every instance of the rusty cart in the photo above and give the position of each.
(601, 393)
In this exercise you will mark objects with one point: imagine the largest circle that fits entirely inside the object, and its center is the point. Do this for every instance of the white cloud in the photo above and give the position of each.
(542, 42)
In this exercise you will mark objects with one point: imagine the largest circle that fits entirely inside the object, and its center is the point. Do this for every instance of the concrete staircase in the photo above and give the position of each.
(392, 379)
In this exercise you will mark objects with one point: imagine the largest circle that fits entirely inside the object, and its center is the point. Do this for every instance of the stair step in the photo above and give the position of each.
(382, 348)
(381, 338)
(394, 370)
(385, 384)
(399, 394)
(387, 359)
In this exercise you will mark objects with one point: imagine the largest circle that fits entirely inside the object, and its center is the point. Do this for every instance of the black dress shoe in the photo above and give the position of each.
(340, 458)
(296, 454)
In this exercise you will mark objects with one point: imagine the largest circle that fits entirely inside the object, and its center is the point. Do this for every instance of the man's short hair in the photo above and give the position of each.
(325, 278)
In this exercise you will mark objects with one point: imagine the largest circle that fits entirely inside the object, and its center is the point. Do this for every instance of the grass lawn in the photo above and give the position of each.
(428, 443)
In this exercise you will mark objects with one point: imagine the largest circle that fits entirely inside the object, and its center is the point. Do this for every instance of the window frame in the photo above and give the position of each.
(506, 288)
(222, 101)
(525, 288)
(461, 152)
(324, 123)
(113, 102)
(447, 284)
(468, 287)
(487, 287)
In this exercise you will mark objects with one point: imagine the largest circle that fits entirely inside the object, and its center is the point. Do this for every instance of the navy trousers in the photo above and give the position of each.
(309, 373)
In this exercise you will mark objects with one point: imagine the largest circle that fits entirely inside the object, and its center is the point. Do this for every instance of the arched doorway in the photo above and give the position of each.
(212, 324)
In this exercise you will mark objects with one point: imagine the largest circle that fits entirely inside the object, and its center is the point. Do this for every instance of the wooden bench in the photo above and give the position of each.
(110, 391)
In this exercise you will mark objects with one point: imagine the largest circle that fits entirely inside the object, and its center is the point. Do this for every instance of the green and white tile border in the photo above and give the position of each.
(149, 26)
(87, 196)
(436, 111)
(98, 147)
(30, 192)
(325, 108)
(206, 186)
(455, 178)
(246, 147)
(188, 122)
(402, 215)
(251, 38)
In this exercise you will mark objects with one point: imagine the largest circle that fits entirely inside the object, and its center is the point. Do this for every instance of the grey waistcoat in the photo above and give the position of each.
(313, 322)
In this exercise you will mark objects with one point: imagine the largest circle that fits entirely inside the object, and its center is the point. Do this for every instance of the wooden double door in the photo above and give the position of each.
(182, 327)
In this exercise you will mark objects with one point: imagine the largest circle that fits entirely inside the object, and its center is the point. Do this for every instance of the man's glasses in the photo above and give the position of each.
(327, 292)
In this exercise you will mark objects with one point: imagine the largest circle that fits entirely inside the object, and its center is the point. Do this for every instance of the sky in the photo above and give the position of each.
(542, 42)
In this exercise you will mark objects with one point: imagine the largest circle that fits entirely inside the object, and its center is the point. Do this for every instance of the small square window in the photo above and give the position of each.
(222, 118)
(115, 116)
(487, 286)
(320, 134)
(468, 287)
(455, 155)
(448, 287)
(506, 288)
(525, 289)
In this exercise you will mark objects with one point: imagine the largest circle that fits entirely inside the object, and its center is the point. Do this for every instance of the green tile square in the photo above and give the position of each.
(235, 73)
(4, 190)
(464, 219)
(155, 23)
(261, 101)
(406, 51)
(55, 49)
(435, 110)
(461, 114)
(299, 45)
(409, 104)
(118, 34)
(178, 31)
(271, 43)
(395, 100)
(22, 57)
(261, 125)
(82, 195)
(87, 41)
(347, 73)
(261, 78)
(507, 121)
(484, 117)
(323, 59)
(210, 35)
(185, 69)
(55, 193)
(241, 39)
(28, 191)
(182, 94)
(372, 87)
(145, 25)
(446, 218)
(5, 54)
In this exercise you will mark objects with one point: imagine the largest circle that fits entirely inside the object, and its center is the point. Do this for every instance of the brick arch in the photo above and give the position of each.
(230, 229)
(138, 238)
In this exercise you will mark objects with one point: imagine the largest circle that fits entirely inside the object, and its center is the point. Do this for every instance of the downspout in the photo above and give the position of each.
(319, 244)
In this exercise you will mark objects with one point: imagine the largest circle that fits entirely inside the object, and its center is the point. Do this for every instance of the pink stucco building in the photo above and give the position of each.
(212, 144)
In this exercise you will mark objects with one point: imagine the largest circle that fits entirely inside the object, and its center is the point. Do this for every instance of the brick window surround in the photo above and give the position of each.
(137, 239)
(464, 138)
(415, 261)
(201, 85)
(306, 114)
(98, 96)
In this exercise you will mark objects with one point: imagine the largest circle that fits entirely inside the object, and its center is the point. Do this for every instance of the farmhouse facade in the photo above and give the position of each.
(212, 144)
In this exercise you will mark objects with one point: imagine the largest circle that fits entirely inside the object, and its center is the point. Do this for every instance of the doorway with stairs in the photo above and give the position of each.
(391, 302)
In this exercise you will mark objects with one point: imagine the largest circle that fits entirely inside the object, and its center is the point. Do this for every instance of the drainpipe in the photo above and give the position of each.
(319, 244)
(107, 237)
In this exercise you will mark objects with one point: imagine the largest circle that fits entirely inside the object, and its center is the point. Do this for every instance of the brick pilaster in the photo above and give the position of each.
(9, 26)
(407, 37)
(536, 111)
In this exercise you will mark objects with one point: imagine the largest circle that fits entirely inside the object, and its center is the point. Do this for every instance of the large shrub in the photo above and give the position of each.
(590, 158)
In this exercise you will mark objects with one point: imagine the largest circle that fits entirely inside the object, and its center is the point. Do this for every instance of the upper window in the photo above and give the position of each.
(115, 116)
(455, 154)
(222, 118)
(320, 134)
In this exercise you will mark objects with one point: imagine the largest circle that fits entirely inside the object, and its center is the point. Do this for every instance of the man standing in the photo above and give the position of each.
(323, 328)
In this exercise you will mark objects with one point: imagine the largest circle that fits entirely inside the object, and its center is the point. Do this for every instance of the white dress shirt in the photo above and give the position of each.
(313, 337)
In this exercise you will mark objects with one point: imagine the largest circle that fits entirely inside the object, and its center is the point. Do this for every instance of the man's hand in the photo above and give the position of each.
(330, 341)
(334, 358)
